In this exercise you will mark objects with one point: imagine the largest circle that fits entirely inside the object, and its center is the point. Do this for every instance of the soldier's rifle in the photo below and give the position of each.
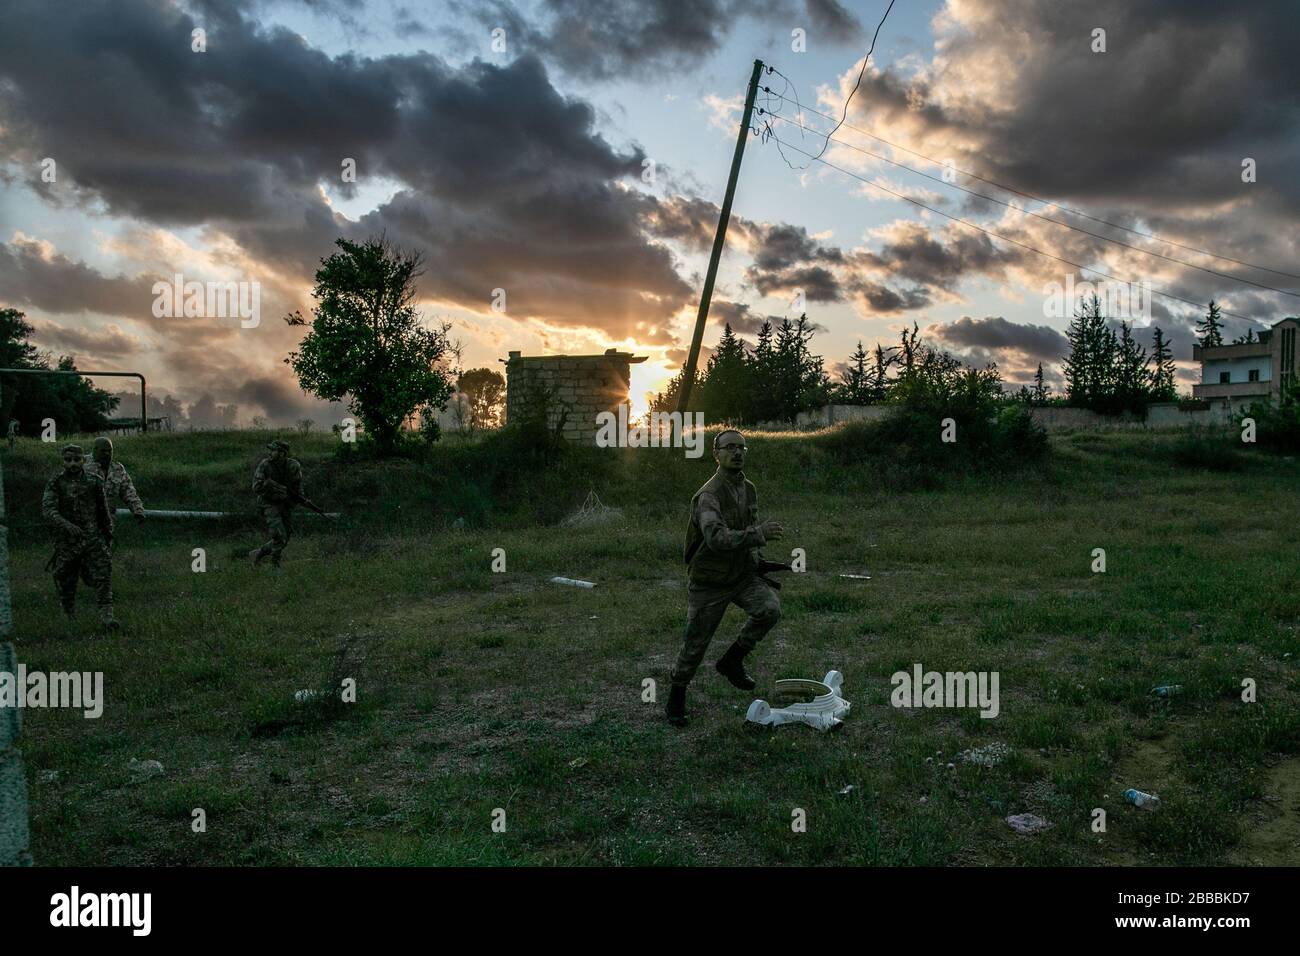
(765, 567)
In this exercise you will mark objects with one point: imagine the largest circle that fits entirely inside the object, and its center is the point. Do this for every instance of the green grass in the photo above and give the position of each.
(479, 691)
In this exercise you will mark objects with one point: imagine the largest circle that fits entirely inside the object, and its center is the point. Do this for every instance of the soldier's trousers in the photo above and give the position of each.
(704, 610)
(88, 558)
(279, 525)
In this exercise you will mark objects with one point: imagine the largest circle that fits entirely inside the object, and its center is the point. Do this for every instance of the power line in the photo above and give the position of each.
(989, 232)
(1038, 215)
(1047, 202)
(861, 73)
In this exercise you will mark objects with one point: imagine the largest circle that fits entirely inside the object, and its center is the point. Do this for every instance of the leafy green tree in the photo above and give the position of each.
(1211, 327)
(485, 389)
(367, 344)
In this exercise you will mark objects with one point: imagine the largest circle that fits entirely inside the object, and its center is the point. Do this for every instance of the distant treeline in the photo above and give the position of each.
(780, 376)
(1106, 370)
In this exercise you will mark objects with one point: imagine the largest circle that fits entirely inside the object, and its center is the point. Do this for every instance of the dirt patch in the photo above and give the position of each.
(1271, 836)
(1148, 767)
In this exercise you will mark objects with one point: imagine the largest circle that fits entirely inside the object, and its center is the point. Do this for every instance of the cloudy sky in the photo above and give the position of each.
(580, 169)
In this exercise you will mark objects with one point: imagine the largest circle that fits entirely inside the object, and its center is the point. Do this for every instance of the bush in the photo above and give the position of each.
(1277, 427)
(907, 449)
(1207, 448)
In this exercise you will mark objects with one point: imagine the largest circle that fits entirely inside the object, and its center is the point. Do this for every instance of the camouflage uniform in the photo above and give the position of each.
(278, 484)
(722, 542)
(117, 485)
(76, 506)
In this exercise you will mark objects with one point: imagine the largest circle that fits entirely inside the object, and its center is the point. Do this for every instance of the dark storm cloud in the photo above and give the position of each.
(878, 298)
(503, 182)
(817, 283)
(110, 343)
(911, 251)
(994, 334)
(33, 277)
(832, 22)
(1150, 134)
(605, 39)
(782, 246)
(686, 219)
(738, 315)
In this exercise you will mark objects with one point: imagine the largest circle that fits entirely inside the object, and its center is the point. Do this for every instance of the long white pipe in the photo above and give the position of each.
(154, 513)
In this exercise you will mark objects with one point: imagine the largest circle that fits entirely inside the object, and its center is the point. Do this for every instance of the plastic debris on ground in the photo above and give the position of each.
(573, 582)
(593, 512)
(824, 711)
(1027, 823)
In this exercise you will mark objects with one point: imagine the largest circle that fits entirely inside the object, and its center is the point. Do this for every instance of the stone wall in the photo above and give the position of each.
(833, 414)
(575, 389)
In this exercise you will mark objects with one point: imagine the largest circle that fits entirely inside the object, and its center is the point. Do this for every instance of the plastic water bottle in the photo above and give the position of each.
(1167, 690)
(1139, 798)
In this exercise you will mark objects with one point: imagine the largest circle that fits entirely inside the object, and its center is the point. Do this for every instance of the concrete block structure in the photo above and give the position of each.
(1238, 375)
(574, 389)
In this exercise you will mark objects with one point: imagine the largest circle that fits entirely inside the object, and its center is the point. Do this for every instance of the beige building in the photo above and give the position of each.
(574, 389)
(1241, 374)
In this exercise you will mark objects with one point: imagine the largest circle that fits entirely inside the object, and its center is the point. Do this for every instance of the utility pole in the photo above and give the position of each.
(688, 378)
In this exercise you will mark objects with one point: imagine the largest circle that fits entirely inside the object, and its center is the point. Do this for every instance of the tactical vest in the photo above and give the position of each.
(77, 499)
(711, 568)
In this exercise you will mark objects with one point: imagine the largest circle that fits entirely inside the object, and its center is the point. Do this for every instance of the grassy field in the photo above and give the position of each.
(480, 690)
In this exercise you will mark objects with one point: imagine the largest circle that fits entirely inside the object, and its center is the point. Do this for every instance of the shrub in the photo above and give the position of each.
(1277, 426)
(1207, 448)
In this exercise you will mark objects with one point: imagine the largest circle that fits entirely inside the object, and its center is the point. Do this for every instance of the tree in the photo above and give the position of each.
(71, 401)
(367, 344)
(485, 389)
(1247, 339)
(1131, 376)
(666, 401)
(724, 394)
(1163, 387)
(1090, 366)
(854, 387)
(1041, 391)
(1211, 327)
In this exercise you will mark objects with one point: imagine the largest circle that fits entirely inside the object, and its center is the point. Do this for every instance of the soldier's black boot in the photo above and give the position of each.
(731, 665)
(676, 706)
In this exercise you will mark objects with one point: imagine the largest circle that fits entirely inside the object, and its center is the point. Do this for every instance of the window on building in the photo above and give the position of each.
(1225, 378)
(1253, 375)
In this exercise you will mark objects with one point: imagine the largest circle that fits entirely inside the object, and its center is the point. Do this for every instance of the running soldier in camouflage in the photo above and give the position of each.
(722, 542)
(75, 505)
(277, 482)
(117, 483)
